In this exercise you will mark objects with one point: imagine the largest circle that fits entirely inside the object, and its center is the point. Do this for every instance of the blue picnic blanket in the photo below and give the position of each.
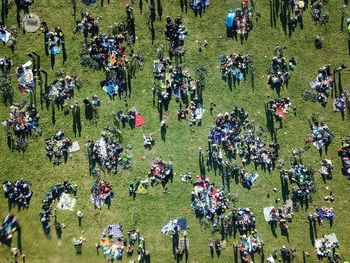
(88, 2)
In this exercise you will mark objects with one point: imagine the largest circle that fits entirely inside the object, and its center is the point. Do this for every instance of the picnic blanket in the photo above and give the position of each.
(181, 223)
(115, 230)
(66, 202)
(267, 213)
(97, 201)
(326, 213)
(328, 242)
(139, 121)
(5, 36)
(74, 147)
(252, 177)
(88, 2)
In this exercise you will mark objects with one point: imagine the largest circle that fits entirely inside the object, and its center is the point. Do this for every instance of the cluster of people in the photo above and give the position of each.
(148, 140)
(280, 107)
(247, 179)
(108, 51)
(249, 245)
(281, 215)
(326, 245)
(66, 187)
(54, 43)
(245, 221)
(54, 39)
(326, 169)
(279, 69)
(55, 194)
(340, 103)
(101, 193)
(236, 136)
(194, 110)
(159, 69)
(199, 5)
(239, 21)
(175, 33)
(105, 153)
(112, 243)
(23, 121)
(18, 193)
(24, 4)
(323, 84)
(322, 136)
(303, 177)
(5, 64)
(318, 12)
(344, 154)
(208, 202)
(235, 66)
(62, 89)
(160, 172)
(131, 116)
(8, 36)
(8, 227)
(57, 148)
(25, 78)
(325, 213)
(182, 84)
(87, 25)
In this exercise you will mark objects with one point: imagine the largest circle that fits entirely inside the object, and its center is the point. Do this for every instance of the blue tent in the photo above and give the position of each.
(230, 18)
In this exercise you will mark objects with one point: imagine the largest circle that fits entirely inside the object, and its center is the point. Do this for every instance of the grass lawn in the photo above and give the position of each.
(150, 212)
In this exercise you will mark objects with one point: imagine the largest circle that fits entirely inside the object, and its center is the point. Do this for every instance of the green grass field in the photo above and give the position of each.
(150, 212)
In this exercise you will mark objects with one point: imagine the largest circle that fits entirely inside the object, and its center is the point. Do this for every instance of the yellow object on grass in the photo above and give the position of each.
(141, 190)
(105, 242)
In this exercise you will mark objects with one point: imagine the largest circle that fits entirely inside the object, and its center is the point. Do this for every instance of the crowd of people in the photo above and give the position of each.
(344, 154)
(323, 84)
(87, 25)
(279, 69)
(23, 121)
(175, 33)
(8, 37)
(199, 5)
(326, 169)
(161, 172)
(113, 244)
(232, 135)
(322, 136)
(18, 193)
(208, 202)
(5, 64)
(249, 245)
(54, 43)
(235, 66)
(245, 220)
(57, 148)
(239, 21)
(25, 78)
(52, 196)
(236, 136)
(326, 246)
(62, 89)
(106, 153)
(101, 193)
(8, 227)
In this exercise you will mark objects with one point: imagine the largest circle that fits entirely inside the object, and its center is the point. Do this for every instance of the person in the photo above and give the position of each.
(80, 217)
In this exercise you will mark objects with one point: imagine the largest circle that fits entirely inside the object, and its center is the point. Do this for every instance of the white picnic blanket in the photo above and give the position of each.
(267, 211)
(66, 202)
(74, 147)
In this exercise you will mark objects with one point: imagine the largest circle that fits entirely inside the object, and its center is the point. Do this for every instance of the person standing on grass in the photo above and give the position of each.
(80, 217)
